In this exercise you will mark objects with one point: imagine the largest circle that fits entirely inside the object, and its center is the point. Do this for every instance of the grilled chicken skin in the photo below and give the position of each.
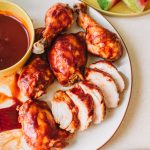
(35, 78)
(109, 68)
(106, 84)
(100, 41)
(58, 18)
(39, 128)
(98, 99)
(65, 112)
(85, 104)
(67, 58)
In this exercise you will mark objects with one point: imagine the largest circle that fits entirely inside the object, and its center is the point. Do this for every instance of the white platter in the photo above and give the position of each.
(97, 135)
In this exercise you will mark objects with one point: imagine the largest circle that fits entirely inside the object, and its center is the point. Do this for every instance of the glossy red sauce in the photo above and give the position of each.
(14, 41)
(9, 115)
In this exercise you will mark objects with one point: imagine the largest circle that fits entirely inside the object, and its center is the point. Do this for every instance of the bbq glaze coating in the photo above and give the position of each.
(58, 18)
(100, 41)
(84, 102)
(35, 78)
(67, 58)
(98, 99)
(39, 33)
(39, 128)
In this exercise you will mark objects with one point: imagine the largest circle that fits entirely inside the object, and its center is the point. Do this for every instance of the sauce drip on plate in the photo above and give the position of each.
(8, 113)
(14, 41)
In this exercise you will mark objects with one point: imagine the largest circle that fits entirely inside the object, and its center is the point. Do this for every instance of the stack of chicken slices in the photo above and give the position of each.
(86, 101)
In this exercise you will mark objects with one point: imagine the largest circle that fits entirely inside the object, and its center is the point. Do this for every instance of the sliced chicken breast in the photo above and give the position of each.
(84, 102)
(109, 68)
(65, 112)
(99, 105)
(107, 85)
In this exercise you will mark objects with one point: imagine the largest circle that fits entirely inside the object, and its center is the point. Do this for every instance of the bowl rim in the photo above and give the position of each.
(31, 40)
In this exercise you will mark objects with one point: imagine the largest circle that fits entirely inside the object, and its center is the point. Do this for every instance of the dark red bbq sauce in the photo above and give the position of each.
(9, 117)
(14, 41)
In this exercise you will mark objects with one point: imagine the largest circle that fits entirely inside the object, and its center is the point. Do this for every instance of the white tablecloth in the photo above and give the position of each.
(134, 132)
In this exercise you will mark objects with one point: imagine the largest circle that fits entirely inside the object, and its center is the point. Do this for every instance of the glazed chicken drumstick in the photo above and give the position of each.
(58, 18)
(100, 41)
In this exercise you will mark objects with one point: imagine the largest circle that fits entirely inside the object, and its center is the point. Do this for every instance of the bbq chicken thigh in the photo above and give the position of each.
(58, 18)
(65, 112)
(39, 128)
(100, 41)
(67, 58)
(35, 78)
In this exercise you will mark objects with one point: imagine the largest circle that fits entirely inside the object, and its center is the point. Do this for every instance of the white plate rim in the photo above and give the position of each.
(131, 70)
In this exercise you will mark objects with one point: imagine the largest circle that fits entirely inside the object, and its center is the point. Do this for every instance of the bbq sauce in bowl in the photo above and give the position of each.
(14, 41)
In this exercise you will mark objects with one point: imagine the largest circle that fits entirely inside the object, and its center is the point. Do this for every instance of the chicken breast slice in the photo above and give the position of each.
(107, 85)
(109, 68)
(65, 112)
(84, 102)
(99, 105)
